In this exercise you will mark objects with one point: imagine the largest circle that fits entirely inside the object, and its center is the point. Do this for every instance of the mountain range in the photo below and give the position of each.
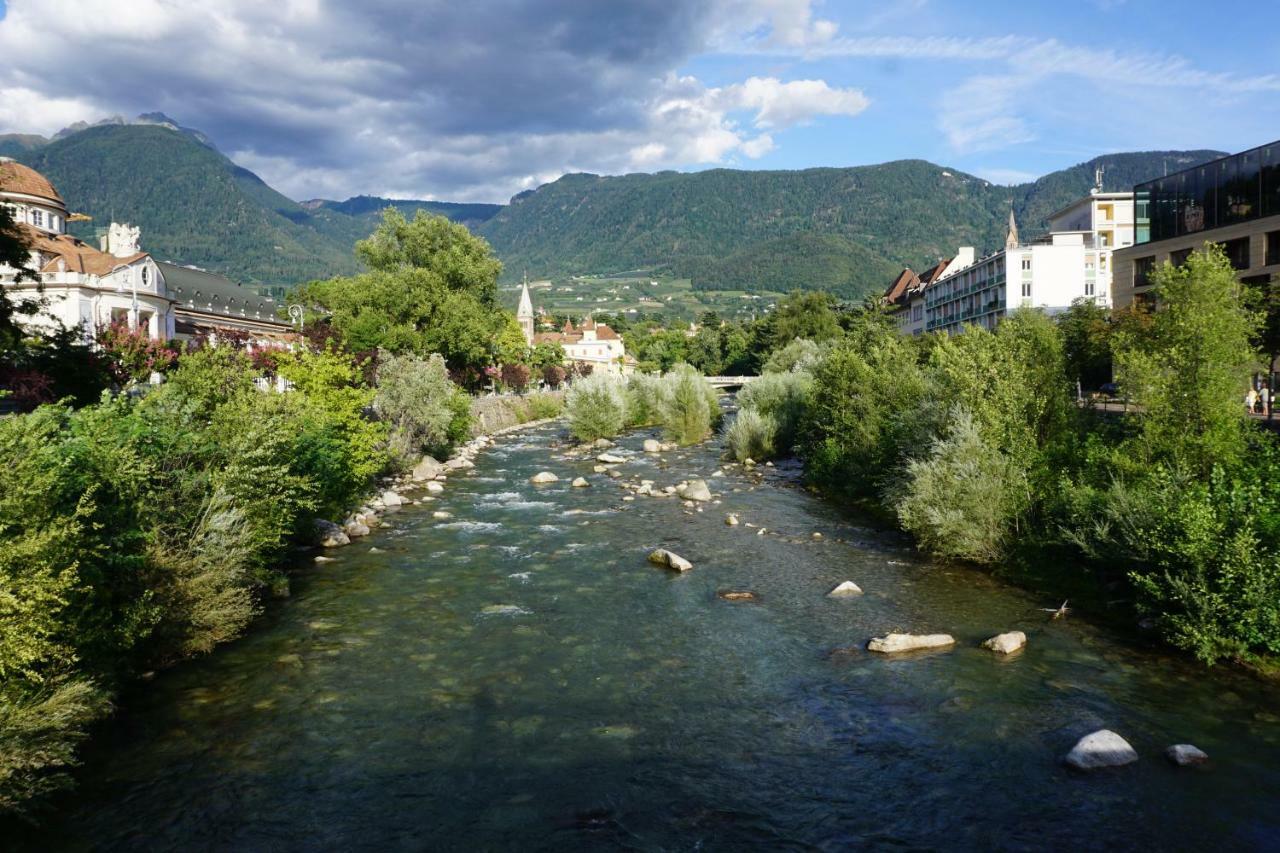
(847, 230)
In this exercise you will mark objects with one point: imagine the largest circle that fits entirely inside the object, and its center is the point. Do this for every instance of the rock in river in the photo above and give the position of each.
(543, 477)
(663, 557)
(891, 643)
(1103, 748)
(695, 490)
(731, 520)
(652, 445)
(435, 488)
(390, 498)
(611, 459)
(738, 595)
(330, 535)
(845, 589)
(427, 469)
(1006, 643)
(1184, 754)
(580, 483)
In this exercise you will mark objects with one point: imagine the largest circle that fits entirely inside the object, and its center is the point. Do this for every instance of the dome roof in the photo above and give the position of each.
(17, 178)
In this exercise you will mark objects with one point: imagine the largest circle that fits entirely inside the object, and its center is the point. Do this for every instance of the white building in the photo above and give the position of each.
(591, 343)
(1072, 262)
(84, 287)
(81, 286)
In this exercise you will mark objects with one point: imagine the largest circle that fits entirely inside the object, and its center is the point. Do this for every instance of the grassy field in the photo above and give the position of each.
(636, 295)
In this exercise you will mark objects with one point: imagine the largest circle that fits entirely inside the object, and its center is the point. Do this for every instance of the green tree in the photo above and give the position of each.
(801, 314)
(1188, 373)
(431, 287)
(1086, 343)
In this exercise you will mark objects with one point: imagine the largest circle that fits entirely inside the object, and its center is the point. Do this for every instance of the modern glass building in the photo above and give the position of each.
(1232, 201)
(1228, 191)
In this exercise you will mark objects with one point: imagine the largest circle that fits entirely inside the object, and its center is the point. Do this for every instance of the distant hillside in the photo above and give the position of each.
(195, 206)
(370, 208)
(839, 229)
(845, 230)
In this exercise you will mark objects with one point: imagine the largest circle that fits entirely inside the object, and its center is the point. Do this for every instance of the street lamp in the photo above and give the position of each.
(295, 315)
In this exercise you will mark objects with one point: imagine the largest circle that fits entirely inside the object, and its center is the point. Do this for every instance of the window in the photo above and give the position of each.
(1106, 212)
(1273, 248)
(1026, 263)
(1238, 252)
(1106, 238)
(1142, 269)
(37, 218)
(1026, 290)
(1271, 180)
(1179, 257)
(1088, 287)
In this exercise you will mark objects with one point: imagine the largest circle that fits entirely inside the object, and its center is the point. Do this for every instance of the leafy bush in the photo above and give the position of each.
(426, 411)
(136, 532)
(554, 375)
(543, 406)
(597, 407)
(751, 436)
(516, 377)
(963, 500)
(690, 406)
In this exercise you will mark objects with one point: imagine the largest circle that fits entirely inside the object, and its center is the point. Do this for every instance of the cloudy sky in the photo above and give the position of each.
(477, 100)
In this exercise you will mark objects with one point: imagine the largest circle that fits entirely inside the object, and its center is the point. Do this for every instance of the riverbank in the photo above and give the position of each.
(518, 675)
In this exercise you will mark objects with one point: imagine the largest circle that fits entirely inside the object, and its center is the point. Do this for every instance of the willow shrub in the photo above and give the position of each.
(964, 498)
(427, 413)
(596, 406)
(645, 399)
(751, 435)
(691, 408)
(780, 397)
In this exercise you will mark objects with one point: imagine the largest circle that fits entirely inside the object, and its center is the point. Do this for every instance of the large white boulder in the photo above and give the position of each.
(434, 488)
(844, 589)
(390, 498)
(892, 643)
(652, 445)
(543, 477)
(427, 469)
(1184, 754)
(355, 529)
(611, 459)
(458, 463)
(1103, 748)
(670, 559)
(695, 490)
(1006, 643)
(580, 483)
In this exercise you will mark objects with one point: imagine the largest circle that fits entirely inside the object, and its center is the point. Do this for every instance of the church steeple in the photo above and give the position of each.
(1011, 239)
(524, 313)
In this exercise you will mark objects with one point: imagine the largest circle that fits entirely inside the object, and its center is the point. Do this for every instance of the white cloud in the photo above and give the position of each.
(470, 101)
(778, 104)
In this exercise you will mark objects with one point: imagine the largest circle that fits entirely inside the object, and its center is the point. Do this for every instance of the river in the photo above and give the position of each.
(617, 705)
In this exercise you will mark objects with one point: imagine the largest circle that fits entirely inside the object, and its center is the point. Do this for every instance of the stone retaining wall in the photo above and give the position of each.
(490, 414)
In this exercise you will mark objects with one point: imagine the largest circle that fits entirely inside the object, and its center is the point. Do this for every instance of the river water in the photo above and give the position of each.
(386, 706)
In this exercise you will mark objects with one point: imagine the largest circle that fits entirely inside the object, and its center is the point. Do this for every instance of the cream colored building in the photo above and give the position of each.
(86, 287)
(591, 343)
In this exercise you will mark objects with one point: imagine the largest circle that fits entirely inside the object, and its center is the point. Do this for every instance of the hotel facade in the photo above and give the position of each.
(1233, 201)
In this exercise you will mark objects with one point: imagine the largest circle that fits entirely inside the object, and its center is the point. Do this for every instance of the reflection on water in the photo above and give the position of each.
(519, 677)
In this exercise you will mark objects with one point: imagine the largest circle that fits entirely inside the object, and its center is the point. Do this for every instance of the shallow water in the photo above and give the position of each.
(519, 677)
